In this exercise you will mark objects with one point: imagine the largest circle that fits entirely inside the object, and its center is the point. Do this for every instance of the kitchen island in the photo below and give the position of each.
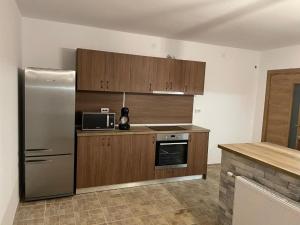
(273, 166)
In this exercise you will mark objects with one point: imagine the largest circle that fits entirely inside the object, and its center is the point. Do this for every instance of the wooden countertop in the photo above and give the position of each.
(277, 156)
(141, 130)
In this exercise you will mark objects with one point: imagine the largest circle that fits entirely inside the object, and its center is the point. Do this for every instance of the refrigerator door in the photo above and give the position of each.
(49, 112)
(49, 176)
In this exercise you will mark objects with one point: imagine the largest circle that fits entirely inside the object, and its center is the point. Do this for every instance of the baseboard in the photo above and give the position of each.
(9, 215)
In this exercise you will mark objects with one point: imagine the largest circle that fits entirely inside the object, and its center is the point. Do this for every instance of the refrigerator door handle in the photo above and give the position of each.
(38, 161)
(39, 149)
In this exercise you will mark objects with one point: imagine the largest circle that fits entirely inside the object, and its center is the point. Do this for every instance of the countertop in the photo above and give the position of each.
(277, 156)
(141, 130)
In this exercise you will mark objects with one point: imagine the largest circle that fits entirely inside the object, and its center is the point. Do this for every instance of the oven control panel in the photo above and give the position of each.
(172, 137)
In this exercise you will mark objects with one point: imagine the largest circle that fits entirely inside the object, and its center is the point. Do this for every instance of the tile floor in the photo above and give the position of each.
(179, 203)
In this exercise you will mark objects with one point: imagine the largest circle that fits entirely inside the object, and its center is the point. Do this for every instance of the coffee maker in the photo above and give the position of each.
(124, 119)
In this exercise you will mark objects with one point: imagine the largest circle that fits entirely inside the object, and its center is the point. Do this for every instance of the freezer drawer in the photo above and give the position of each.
(49, 176)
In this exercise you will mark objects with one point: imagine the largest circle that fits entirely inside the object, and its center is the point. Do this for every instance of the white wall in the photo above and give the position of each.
(227, 107)
(10, 22)
(282, 58)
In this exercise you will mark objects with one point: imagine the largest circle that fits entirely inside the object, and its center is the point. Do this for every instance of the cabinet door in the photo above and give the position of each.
(90, 70)
(143, 157)
(176, 79)
(197, 154)
(142, 69)
(194, 73)
(117, 71)
(120, 159)
(161, 79)
(90, 152)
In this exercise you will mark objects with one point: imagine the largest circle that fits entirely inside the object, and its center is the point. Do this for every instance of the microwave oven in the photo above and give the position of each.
(98, 121)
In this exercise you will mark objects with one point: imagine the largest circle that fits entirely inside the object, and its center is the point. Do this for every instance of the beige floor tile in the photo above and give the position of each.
(168, 204)
(111, 198)
(52, 220)
(181, 217)
(154, 220)
(143, 209)
(59, 208)
(67, 220)
(30, 222)
(93, 217)
(116, 213)
(30, 212)
(129, 221)
(83, 204)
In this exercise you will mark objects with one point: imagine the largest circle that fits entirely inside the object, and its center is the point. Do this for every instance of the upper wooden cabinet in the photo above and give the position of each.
(90, 66)
(194, 74)
(116, 72)
(102, 71)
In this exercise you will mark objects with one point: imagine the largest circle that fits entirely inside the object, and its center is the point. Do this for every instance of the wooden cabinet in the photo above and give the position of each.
(197, 154)
(142, 157)
(169, 76)
(115, 159)
(194, 77)
(176, 76)
(143, 69)
(90, 70)
(115, 72)
(102, 71)
(160, 80)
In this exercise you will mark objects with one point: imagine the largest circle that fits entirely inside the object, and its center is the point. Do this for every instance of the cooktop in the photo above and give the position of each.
(166, 128)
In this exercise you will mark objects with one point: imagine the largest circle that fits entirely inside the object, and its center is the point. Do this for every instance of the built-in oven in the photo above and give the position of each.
(171, 150)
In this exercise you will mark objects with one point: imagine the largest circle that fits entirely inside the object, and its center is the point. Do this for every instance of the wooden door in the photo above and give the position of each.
(194, 74)
(117, 72)
(142, 69)
(197, 154)
(176, 76)
(278, 105)
(142, 157)
(90, 70)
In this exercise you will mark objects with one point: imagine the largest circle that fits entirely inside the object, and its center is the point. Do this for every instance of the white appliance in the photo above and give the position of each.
(257, 205)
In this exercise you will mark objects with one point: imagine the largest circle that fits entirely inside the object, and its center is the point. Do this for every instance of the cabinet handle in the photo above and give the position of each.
(108, 142)
(185, 88)
(101, 84)
(107, 84)
(150, 87)
(166, 85)
(171, 86)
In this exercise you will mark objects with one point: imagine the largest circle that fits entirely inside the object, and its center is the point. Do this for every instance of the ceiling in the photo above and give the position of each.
(251, 24)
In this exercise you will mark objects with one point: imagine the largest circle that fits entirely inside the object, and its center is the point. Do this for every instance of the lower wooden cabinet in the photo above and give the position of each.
(115, 159)
(197, 154)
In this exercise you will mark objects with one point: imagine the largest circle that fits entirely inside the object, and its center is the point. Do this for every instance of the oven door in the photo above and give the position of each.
(171, 153)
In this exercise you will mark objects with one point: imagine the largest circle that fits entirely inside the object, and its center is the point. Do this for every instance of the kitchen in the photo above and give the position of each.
(225, 105)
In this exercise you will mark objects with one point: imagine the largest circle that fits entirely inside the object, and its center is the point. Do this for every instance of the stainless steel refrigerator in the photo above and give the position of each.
(49, 124)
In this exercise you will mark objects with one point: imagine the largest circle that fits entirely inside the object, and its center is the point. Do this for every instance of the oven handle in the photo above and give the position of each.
(174, 143)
